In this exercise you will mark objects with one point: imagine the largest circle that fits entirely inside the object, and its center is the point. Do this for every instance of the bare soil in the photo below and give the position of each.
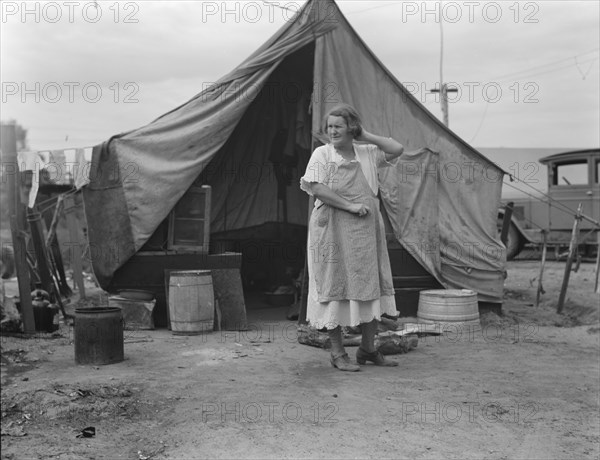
(525, 386)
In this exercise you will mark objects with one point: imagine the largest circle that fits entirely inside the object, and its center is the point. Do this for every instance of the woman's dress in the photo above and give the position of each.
(350, 280)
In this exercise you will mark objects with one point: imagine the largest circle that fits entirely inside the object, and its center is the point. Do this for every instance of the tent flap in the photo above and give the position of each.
(107, 215)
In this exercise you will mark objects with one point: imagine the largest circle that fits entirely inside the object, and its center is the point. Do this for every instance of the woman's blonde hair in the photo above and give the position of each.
(348, 113)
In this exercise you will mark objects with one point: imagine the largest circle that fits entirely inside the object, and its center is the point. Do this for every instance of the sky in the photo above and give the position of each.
(75, 73)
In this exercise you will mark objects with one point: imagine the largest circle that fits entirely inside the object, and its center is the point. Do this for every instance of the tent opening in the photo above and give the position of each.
(258, 209)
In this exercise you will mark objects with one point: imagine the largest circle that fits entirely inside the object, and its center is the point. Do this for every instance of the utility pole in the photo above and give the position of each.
(443, 89)
(444, 100)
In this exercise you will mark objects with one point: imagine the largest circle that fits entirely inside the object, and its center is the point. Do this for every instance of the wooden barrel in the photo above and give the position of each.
(98, 335)
(449, 306)
(191, 302)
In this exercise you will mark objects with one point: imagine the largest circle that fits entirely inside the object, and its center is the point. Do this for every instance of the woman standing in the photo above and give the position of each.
(350, 280)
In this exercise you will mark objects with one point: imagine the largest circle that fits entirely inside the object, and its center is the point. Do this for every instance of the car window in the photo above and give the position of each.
(571, 174)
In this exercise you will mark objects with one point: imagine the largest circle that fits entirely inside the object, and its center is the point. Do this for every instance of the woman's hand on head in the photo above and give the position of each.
(363, 136)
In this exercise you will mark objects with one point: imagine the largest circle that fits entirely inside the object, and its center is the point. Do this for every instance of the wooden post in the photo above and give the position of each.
(75, 253)
(54, 223)
(572, 251)
(597, 285)
(15, 209)
(19, 238)
(540, 288)
(41, 254)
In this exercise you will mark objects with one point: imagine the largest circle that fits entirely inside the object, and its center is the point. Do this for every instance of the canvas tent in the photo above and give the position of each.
(250, 136)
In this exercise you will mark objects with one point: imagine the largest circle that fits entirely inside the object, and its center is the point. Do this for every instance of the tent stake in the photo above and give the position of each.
(572, 250)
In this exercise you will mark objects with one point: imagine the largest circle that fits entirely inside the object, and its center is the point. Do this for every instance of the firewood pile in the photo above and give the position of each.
(392, 337)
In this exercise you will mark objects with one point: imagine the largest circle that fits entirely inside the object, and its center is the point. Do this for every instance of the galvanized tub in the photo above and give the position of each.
(455, 307)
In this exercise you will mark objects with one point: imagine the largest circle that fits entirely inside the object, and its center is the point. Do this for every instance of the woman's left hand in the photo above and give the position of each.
(360, 209)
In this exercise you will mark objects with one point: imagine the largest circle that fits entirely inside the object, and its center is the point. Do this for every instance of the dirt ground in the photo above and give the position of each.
(525, 386)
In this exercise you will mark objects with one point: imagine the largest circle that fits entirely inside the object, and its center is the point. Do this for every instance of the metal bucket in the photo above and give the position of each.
(457, 307)
(98, 335)
(191, 302)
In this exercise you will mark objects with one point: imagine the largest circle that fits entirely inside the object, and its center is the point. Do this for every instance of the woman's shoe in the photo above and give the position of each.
(342, 362)
(375, 357)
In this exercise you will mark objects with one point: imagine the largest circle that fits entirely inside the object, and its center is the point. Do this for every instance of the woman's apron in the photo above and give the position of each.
(349, 254)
